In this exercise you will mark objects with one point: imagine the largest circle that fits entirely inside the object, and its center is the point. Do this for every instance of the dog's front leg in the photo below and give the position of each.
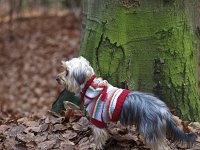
(100, 137)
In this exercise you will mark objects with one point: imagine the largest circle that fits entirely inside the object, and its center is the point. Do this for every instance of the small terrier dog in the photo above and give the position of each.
(105, 103)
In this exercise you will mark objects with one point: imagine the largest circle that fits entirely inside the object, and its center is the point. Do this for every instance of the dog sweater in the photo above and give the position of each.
(103, 102)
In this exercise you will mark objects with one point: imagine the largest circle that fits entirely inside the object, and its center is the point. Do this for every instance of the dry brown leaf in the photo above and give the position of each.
(69, 105)
(9, 143)
(41, 137)
(3, 128)
(1, 145)
(81, 125)
(32, 129)
(59, 127)
(83, 121)
(31, 144)
(55, 136)
(68, 135)
(54, 114)
(25, 137)
(54, 120)
(83, 140)
(67, 145)
(76, 127)
(44, 127)
(73, 115)
(85, 146)
(22, 120)
(31, 123)
(15, 130)
(46, 145)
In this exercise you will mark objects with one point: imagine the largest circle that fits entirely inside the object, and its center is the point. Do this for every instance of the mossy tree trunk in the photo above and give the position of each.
(149, 45)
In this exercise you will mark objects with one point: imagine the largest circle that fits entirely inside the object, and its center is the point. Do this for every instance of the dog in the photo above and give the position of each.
(105, 103)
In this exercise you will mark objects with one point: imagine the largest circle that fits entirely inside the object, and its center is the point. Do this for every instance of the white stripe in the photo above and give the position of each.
(95, 89)
(104, 115)
(91, 94)
(98, 108)
(86, 101)
(89, 107)
(110, 88)
(99, 89)
(114, 101)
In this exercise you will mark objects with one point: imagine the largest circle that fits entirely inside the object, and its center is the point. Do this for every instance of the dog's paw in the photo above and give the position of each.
(94, 146)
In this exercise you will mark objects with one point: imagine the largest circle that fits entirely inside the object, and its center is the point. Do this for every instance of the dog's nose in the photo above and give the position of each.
(57, 78)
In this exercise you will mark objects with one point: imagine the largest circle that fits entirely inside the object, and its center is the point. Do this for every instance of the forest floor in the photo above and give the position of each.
(29, 62)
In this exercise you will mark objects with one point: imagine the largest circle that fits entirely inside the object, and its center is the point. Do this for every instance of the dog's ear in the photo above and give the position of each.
(64, 64)
(80, 77)
(81, 58)
(84, 60)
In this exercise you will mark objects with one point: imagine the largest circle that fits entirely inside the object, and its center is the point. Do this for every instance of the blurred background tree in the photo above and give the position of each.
(19, 9)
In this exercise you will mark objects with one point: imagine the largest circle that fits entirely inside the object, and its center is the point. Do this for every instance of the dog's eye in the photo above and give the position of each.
(67, 72)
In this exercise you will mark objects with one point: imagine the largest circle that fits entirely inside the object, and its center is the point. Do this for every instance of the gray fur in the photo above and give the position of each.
(152, 119)
(80, 77)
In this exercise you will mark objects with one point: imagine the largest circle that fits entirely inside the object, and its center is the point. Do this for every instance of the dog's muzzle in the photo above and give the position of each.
(58, 79)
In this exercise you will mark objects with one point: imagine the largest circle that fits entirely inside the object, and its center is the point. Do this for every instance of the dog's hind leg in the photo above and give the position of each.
(154, 141)
(153, 132)
(100, 137)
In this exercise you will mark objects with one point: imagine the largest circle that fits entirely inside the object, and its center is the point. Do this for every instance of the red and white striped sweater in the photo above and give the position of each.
(103, 102)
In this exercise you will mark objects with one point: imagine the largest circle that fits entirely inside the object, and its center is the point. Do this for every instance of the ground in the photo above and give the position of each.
(29, 63)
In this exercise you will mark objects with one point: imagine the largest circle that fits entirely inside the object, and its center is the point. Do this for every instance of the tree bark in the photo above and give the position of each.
(10, 22)
(149, 46)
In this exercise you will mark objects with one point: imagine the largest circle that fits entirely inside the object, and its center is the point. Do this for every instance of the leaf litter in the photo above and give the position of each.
(58, 132)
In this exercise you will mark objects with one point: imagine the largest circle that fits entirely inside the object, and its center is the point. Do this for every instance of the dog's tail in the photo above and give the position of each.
(177, 135)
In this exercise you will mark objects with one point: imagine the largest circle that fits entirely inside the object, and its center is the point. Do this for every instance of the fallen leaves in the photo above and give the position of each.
(48, 132)
(59, 127)
(54, 131)
(46, 145)
(30, 62)
(25, 137)
(69, 134)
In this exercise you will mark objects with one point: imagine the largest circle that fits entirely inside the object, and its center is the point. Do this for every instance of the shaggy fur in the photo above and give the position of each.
(150, 115)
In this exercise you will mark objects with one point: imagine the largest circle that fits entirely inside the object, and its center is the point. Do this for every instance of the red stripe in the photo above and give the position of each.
(93, 97)
(104, 93)
(88, 83)
(97, 123)
(118, 107)
(92, 108)
(94, 85)
(90, 97)
(102, 86)
(97, 86)
(108, 104)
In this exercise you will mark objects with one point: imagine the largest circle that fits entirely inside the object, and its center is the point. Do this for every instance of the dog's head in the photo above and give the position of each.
(76, 73)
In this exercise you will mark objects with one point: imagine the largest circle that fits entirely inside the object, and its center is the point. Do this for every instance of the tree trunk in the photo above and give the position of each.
(10, 22)
(149, 46)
